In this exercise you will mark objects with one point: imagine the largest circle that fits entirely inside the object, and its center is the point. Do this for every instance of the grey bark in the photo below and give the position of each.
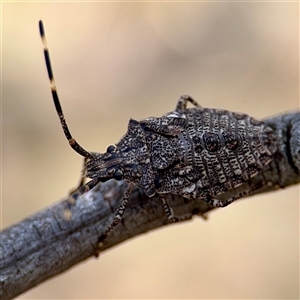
(46, 244)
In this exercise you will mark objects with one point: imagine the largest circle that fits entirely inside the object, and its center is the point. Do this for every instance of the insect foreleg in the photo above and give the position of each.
(120, 210)
(81, 180)
(73, 197)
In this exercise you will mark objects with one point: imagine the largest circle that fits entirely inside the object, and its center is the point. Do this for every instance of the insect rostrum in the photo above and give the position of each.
(193, 152)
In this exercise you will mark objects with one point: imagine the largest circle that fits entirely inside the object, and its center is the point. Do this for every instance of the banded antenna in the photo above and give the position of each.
(58, 108)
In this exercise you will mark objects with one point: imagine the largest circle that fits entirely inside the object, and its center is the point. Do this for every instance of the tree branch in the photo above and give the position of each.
(46, 244)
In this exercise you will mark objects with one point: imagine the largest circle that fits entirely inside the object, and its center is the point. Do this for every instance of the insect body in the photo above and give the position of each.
(193, 152)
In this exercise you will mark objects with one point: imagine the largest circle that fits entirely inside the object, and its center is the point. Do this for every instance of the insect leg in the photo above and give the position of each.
(168, 209)
(238, 194)
(73, 197)
(120, 210)
(81, 180)
(183, 101)
(220, 203)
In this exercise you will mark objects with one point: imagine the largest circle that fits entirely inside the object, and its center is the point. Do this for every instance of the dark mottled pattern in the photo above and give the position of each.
(194, 152)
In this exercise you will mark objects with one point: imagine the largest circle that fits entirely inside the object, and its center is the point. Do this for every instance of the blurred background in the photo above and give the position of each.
(114, 61)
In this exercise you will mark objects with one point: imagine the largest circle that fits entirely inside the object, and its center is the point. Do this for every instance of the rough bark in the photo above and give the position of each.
(46, 244)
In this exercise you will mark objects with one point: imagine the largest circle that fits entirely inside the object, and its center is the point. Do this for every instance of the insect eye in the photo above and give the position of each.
(111, 149)
(118, 175)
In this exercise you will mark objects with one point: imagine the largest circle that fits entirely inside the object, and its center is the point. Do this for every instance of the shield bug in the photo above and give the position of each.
(193, 152)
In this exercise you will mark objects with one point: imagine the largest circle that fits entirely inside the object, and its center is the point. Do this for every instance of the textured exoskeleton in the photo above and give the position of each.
(194, 152)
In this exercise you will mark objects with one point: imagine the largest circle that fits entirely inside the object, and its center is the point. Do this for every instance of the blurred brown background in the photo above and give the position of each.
(113, 61)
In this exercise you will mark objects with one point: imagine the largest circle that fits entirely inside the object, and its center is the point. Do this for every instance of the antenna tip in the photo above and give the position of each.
(41, 27)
